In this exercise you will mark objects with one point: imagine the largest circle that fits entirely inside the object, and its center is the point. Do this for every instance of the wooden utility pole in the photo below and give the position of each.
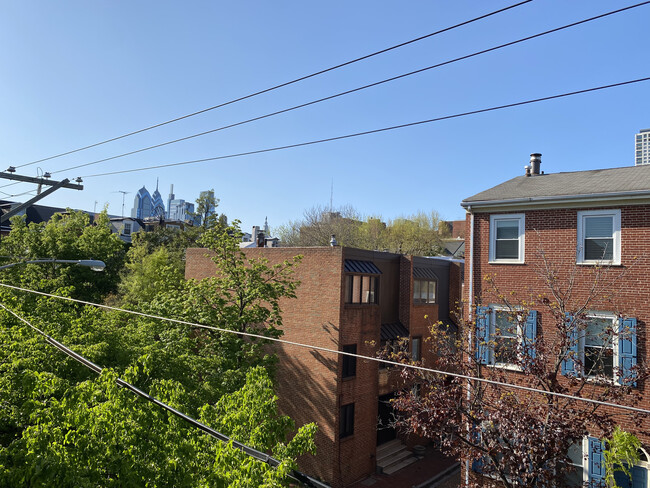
(40, 181)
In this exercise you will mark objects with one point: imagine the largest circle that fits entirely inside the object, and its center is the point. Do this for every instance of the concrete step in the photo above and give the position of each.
(389, 448)
(403, 464)
(396, 458)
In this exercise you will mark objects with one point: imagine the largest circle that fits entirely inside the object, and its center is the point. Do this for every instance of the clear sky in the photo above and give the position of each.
(74, 73)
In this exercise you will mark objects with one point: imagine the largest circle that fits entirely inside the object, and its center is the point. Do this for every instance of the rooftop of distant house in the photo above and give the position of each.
(630, 182)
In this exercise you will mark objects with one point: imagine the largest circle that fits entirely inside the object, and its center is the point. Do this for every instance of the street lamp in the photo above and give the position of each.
(93, 264)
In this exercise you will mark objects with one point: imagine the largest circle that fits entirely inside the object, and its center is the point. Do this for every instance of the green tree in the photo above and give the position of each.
(62, 425)
(206, 211)
(64, 236)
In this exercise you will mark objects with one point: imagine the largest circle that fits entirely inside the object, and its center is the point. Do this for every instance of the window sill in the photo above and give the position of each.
(507, 367)
(348, 378)
(507, 261)
(598, 263)
(424, 304)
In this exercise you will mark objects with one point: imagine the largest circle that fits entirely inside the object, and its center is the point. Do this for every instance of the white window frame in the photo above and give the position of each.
(584, 444)
(616, 236)
(520, 337)
(494, 219)
(581, 345)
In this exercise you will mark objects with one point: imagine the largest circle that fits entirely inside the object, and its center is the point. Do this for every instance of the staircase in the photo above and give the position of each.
(393, 456)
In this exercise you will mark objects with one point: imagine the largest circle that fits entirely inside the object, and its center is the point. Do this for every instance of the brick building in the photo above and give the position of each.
(580, 221)
(350, 300)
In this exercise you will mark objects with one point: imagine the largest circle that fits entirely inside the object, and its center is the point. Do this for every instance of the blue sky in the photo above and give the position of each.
(77, 72)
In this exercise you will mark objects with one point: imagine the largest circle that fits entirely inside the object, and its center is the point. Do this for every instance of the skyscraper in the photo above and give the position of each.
(642, 146)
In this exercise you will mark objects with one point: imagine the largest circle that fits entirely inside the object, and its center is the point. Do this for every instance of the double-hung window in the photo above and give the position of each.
(507, 234)
(505, 337)
(599, 237)
(601, 346)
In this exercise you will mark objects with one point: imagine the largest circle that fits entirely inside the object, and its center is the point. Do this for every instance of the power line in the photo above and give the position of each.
(342, 353)
(260, 456)
(354, 90)
(374, 131)
(266, 90)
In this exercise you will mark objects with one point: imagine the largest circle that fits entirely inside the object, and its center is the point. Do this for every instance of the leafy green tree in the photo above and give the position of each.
(206, 211)
(62, 425)
(64, 236)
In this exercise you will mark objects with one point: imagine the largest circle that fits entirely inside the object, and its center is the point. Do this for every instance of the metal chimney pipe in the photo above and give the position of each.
(535, 162)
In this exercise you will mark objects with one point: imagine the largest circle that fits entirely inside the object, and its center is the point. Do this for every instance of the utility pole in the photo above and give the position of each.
(40, 181)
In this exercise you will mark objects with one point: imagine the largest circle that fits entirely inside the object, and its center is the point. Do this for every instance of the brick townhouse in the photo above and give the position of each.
(350, 300)
(580, 220)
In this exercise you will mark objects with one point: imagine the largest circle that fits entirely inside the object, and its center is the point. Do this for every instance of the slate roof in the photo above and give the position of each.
(601, 182)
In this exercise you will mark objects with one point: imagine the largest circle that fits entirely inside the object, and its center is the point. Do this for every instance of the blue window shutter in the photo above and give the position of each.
(596, 463)
(530, 334)
(627, 349)
(482, 335)
(569, 364)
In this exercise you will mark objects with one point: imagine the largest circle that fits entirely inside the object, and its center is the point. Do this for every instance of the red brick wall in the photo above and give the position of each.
(306, 379)
(554, 232)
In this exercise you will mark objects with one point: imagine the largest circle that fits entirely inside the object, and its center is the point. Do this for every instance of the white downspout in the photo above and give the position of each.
(469, 313)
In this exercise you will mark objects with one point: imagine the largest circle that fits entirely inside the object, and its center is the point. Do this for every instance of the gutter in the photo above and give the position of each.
(596, 197)
(469, 312)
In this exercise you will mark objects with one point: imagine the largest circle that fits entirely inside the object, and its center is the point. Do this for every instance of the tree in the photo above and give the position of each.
(515, 437)
(206, 211)
(416, 234)
(64, 236)
(62, 425)
(319, 224)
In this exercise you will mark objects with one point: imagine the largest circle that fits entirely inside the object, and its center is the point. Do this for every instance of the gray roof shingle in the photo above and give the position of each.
(613, 181)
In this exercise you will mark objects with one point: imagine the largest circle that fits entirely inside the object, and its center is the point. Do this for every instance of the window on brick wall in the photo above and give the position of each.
(416, 348)
(361, 288)
(507, 238)
(599, 237)
(349, 362)
(601, 345)
(424, 291)
(346, 420)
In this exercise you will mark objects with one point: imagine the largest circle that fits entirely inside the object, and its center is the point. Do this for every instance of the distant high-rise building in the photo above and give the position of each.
(146, 205)
(642, 146)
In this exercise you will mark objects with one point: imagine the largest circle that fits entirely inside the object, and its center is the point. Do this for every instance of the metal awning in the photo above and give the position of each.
(426, 273)
(391, 332)
(365, 267)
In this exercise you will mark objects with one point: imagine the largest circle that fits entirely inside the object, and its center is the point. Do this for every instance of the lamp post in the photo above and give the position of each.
(93, 264)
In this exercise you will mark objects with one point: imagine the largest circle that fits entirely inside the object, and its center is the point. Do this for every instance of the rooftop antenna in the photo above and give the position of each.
(123, 195)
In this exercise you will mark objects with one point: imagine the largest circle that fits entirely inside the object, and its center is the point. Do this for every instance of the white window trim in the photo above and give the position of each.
(493, 235)
(580, 252)
(585, 461)
(520, 338)
(615, 362)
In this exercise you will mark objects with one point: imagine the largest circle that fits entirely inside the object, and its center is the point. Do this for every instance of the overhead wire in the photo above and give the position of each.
(354, 90)
(252, 452)
(373, 131)
(334, 351)
(282, 85)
